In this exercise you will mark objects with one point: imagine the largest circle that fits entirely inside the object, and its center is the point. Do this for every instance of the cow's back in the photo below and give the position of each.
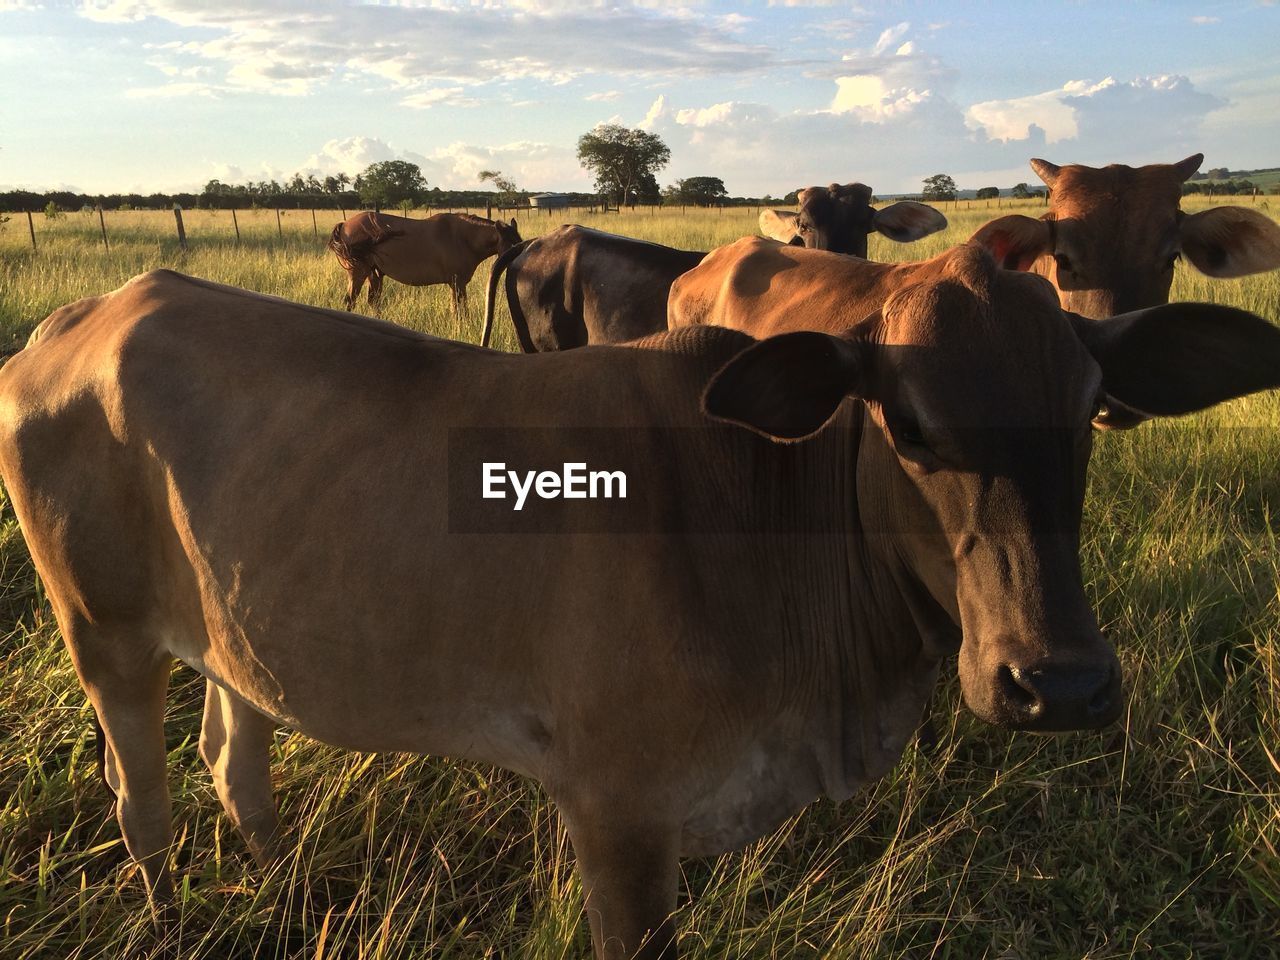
(763, 287)
(577, 286)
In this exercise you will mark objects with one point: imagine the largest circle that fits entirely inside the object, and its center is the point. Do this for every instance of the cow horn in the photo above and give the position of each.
(1046, 171)
(1185, 168)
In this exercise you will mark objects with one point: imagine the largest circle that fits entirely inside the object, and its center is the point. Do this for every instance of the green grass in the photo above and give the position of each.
(1156, 838)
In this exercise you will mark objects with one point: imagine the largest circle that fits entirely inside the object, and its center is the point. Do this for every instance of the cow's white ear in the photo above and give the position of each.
(1181, 357)
(908, 220)
(1015, 241)
(787, 387)
(1230, 241)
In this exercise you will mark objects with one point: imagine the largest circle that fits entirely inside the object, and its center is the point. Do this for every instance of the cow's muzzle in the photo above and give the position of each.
(1048, 696)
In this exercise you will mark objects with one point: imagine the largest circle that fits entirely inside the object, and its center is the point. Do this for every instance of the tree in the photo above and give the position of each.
(939, 187)
(701, 191)
(988, 193)
(507, 188)
(1218, 173)
(391, 183)
(621, 159)
(1020, 191)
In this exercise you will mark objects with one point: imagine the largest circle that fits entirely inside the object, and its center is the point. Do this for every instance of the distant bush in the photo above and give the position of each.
(987, 193)
(51, 210)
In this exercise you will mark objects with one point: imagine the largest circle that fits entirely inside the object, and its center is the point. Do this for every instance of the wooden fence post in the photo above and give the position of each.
(235, 223)
(314, 229)
(103, 224)
(182, 232)
(32, 227)
(279, 228)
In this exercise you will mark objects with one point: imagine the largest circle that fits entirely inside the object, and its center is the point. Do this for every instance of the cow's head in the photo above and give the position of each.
(508, 234)
(1112, 235)
(840, 217)
(979, 393)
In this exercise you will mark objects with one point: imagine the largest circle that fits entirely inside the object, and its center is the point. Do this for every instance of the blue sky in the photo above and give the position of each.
(115, 95)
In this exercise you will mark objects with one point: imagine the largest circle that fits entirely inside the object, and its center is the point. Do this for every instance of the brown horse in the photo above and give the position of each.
(445, 248)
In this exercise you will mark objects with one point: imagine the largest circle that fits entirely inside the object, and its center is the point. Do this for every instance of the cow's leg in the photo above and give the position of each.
(235, 742)
(629, 875)
(357, 273)
(375, 293)
(128, 695)
(458, 287)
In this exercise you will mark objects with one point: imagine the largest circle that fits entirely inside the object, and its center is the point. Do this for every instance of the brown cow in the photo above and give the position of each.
(755, 624)
(444, 248)
(1112, 235)
(577, 286)
(763, 287)
(839, 218)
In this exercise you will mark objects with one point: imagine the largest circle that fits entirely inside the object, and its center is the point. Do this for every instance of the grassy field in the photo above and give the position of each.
(1155, 838)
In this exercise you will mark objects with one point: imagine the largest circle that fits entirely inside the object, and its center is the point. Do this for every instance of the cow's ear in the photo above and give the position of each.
(1181, 357)
(1015, 241)
(1230, 241)
(787, 387)
(908, 220)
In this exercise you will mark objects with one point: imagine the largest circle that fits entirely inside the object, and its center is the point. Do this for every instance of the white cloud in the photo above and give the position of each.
(171, 90)
(1151, 109)
(657, 110)
(889, 37)
(729, 112)
(455, 166)
(604, 96)
(867, 96)
(1205, 21)
(291, 47)
(439, 96)
(1013, 119)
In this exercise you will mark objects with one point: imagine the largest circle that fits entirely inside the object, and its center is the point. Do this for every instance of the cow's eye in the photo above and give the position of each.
(1063, 261)
(906, 430)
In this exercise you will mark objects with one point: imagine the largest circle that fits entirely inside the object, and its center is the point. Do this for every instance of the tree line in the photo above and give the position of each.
(624, 163)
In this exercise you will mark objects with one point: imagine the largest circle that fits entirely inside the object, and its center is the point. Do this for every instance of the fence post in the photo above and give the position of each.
(103, 224)
(182, 232)
(279, 228)
(314, 229)
(32, 227)
(488, 211)
(235, 223)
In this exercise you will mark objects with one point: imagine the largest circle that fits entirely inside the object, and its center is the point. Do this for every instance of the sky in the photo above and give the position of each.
(163, 95)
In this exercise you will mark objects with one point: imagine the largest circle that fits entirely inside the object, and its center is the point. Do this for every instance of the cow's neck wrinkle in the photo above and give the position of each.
(855, 663)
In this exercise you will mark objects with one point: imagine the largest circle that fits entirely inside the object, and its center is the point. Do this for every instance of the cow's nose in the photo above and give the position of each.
(1071, 696)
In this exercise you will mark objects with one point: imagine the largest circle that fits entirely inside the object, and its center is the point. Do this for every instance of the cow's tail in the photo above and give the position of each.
(338, 244)
(500, 263)
(361, 250)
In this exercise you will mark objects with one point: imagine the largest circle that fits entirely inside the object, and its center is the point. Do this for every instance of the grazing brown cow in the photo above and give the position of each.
(1112, 235)
(444, 248)
(839, 218)
(753, 625)
(577, 286)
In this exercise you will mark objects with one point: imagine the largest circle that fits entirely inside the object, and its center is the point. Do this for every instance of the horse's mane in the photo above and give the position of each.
(472, 218)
